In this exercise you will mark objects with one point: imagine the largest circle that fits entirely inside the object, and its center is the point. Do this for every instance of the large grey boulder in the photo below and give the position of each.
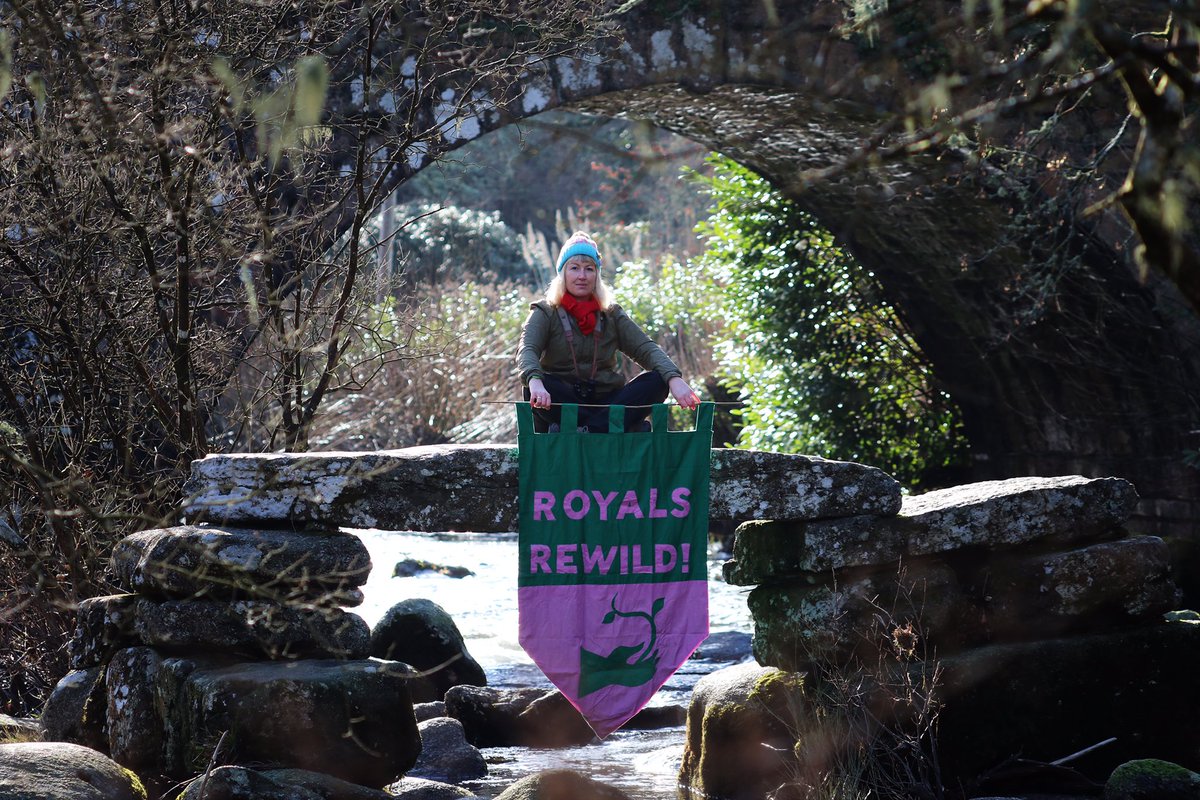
(551, 721)
(255, 628)
(103, 625)
(990, 515)
(474, 487)
(63, 771)
(420, 632)
(741, 728)
(349, 719)
(188, 561)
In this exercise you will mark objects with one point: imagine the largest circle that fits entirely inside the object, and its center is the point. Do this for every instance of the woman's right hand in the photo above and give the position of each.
(538, 396)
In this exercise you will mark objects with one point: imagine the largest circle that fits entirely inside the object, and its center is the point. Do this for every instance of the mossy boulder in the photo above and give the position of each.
(1152, 779)
(64, 771)
(741, 731)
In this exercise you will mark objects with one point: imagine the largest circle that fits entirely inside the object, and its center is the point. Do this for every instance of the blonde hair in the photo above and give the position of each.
(558, 287)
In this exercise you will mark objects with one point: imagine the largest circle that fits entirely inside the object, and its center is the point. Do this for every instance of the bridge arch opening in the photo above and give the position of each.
(1034, 324)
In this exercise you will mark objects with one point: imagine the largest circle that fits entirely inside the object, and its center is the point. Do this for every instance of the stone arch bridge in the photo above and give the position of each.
(1062, 360)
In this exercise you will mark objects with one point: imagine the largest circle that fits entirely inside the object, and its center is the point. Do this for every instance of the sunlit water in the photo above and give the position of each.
(644, 764)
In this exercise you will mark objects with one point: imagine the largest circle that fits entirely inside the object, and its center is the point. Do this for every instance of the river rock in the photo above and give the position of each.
(349, 719)
(654, 717)
(64, 771)
(474, 488)
(240, 783)
(740, 733)
(1152, 779)
(560, 784)
(19, 729)
(488, 715)
(75, 710)
(551, 721)
(1093, 588)
(423, 789)
(327, 786)
(445, 753)
(991, 514)
(192, 562)
(410, 567)
(430, 710)
(420, 632)
(895, 612)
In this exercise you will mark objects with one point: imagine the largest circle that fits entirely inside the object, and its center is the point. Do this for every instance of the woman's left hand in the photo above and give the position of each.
(683, 393)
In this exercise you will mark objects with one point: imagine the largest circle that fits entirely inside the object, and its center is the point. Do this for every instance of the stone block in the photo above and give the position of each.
(349, 719)
(992, 514)
(474, 488)
(135, 723)
(103, 625)
(1089, 589)
(281, 566)
(254, 628)
(898, 613)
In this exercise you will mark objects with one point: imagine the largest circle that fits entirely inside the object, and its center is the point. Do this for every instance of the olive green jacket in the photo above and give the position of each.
(544, 348)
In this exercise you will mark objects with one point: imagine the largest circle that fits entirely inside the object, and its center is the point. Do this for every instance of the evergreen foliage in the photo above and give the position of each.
(823, 363)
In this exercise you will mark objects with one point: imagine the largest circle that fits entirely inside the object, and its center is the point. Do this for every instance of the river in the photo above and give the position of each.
(644, 764)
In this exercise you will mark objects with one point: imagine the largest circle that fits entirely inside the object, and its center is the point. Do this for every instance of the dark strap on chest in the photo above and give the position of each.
(569, 332)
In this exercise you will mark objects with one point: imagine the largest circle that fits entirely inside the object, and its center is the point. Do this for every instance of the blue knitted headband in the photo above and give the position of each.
(580, 244)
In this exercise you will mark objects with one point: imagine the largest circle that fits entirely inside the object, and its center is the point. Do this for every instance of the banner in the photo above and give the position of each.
(612, 587)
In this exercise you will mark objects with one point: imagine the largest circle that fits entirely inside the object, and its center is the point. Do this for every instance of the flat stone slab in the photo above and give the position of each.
(951, 606)
(474, 488)
(991, 514)
(189, 561)
(254, 628)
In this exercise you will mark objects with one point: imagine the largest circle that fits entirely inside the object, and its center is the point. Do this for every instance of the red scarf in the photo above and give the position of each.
(584, 311)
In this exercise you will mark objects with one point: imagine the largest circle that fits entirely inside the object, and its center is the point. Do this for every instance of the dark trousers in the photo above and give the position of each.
(644, 390)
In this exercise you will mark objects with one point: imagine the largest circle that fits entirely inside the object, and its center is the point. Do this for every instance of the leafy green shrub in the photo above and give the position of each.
(823, 363)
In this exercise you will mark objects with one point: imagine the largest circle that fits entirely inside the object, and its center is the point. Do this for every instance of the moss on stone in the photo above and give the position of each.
(773, 685)
(135, 783)
(1152, 779)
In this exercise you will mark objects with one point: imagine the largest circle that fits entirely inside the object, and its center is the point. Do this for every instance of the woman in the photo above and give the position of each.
(569, 345)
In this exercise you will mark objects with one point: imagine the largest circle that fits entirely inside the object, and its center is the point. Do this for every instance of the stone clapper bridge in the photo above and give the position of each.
(234, 622)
